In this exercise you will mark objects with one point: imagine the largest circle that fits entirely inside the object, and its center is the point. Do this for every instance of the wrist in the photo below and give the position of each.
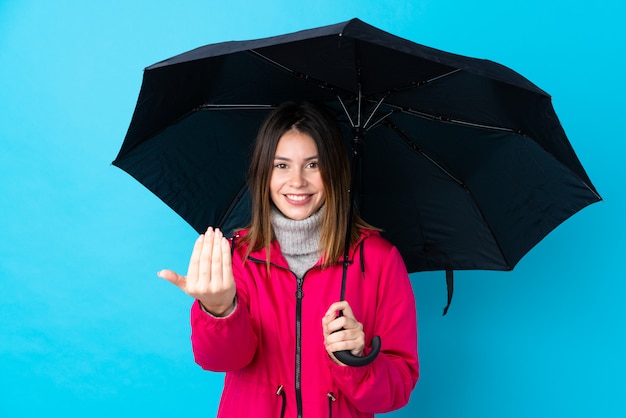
(219, 312)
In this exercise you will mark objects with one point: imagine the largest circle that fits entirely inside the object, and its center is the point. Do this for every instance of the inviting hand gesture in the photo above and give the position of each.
(210, 275)
(342, 333)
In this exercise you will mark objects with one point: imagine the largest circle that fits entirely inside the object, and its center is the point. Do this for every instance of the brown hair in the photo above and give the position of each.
(312, 120)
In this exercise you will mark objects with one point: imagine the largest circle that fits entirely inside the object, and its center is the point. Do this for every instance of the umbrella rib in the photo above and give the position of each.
(323, 85)
(448, 74)
(380, 120)
(415, 147)
(271, 61)
(419, 150)
(335, 89)
(419, 84)
(345, 110)
(303, 76)
(415, 112)
(373, 112)
(441, 118)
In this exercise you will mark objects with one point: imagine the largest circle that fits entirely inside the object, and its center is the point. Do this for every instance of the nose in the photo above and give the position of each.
(298, 179)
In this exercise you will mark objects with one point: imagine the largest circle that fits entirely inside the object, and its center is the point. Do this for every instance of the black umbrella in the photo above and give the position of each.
(463, 162)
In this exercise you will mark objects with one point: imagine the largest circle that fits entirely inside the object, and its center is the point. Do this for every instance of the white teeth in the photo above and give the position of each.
(297, 197)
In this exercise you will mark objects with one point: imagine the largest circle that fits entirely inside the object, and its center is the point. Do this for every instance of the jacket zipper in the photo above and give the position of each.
(299, 296)
(298, 376)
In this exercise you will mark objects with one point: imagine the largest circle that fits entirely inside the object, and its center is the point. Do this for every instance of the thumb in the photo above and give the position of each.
(172, 277)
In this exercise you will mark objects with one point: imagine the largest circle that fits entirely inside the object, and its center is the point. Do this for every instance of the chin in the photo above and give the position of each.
(298, 216)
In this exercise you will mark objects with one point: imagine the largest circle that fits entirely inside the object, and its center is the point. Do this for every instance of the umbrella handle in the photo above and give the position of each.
(346, 357)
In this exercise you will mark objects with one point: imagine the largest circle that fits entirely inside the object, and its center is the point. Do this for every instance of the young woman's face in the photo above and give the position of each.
(296, 186)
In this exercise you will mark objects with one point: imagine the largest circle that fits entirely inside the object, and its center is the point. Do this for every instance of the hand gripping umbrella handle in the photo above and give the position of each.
(346, 357)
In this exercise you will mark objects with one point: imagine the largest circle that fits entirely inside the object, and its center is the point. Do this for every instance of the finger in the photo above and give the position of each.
(344, 323)
(216, 259)
(347, 339)
(347, 310)
(331, 317)
(227, 263)
(326, 328)
(341, 306)
(326, 320)
(341, 345)
(336, 324)
(339, 340)
(194, 261)
(333, 310)
(173, 277)
(204, 265)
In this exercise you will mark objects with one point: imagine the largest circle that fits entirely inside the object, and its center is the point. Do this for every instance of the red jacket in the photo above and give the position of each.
(262, 347)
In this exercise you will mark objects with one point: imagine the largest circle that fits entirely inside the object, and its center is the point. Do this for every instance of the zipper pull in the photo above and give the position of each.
(331, 399)
(299, 292)
(281, 392)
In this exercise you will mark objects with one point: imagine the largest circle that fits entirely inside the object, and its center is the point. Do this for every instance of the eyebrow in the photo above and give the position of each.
(278, 157)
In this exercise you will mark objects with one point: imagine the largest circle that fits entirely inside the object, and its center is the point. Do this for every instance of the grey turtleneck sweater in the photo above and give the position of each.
(299, 240)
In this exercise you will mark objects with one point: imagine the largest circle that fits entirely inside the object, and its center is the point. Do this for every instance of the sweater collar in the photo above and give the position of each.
(297, 237)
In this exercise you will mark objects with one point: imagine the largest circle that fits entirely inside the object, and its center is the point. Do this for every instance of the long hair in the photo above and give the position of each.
(312, 120)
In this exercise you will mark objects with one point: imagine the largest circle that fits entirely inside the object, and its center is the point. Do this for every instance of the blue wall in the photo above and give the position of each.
(87, 327)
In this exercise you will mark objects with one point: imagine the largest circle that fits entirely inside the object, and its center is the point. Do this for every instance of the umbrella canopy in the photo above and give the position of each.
(464, 164)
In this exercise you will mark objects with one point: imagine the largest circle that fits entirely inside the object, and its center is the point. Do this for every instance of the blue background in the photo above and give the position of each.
(88, 329)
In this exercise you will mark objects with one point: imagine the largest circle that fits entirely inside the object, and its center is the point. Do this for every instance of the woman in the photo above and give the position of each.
(266, 303)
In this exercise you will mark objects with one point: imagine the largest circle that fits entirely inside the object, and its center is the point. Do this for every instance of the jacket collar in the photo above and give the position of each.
(276, 257)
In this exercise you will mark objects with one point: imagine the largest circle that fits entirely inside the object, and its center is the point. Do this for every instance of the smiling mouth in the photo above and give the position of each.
(297, 197)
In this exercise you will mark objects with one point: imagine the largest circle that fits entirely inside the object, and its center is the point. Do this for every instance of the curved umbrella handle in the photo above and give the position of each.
(346, 357)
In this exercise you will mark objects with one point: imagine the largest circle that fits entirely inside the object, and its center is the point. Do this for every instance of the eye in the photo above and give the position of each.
(314, 164)
(280, 165)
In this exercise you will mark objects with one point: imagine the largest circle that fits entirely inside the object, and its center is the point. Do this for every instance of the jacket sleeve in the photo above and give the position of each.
(224, 344)
(386, 384)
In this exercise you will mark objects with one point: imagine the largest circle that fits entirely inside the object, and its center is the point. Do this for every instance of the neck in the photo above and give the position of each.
(298, 239)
